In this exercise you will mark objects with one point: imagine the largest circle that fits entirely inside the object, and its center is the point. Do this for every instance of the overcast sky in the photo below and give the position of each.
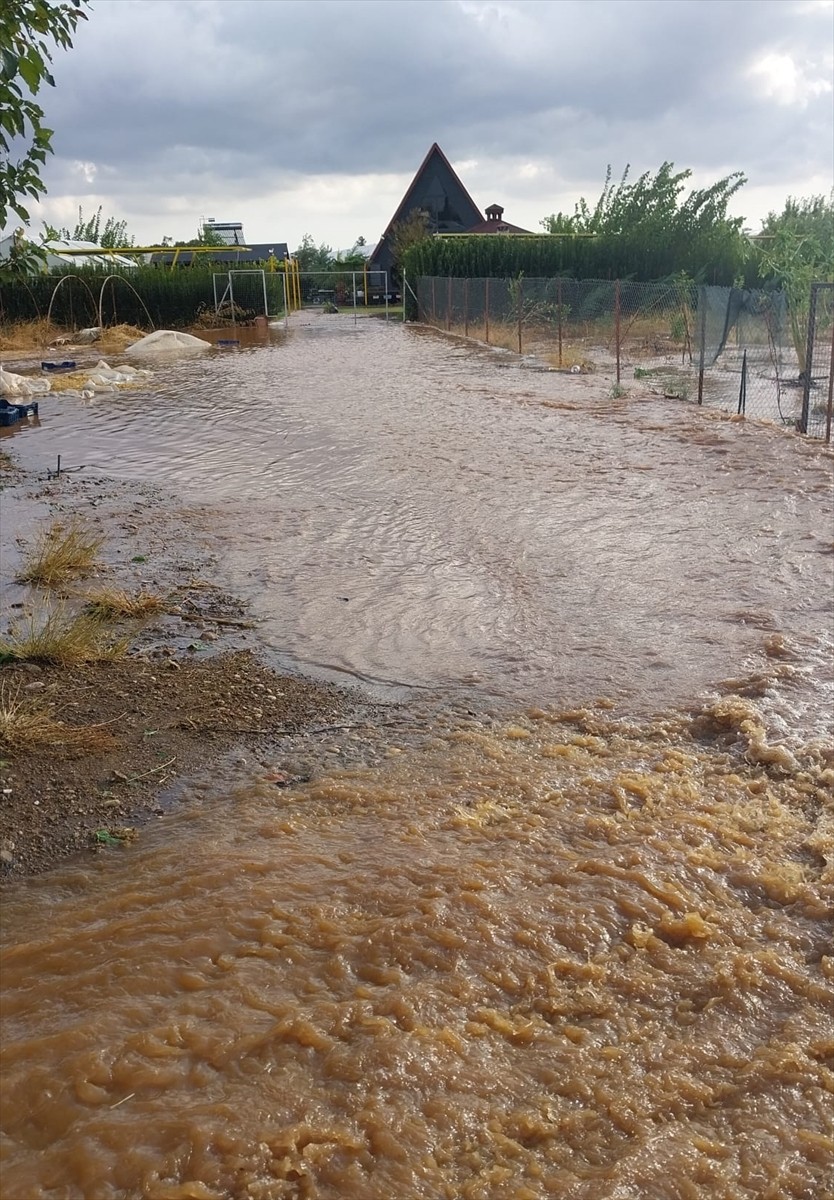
(298, 116)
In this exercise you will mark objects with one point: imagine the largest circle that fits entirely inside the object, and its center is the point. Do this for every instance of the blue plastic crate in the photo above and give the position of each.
(10, 413)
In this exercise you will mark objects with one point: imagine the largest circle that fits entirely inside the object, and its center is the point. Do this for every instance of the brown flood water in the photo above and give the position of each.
(541, 953)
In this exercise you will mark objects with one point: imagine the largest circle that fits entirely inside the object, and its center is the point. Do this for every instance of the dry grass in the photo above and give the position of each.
(43, 335)
(60, 553)
(118, 337)
(30, 335)
(29, 724)
(51, 635)
(110, 603)
(70, 381)
(501, 335)
(571, 356)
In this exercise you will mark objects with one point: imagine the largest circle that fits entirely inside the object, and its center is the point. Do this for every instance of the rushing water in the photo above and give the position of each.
(409, 510)
(551, 952)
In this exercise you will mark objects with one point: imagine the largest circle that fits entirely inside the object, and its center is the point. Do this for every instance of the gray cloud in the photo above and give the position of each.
(247, 97)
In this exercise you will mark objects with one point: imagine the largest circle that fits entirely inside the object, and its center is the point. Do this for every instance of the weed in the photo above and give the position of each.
(676, 389)
(61, 553)
(618, 391)
(570, 358)
(677, 329)
(29, 724)
(53, 636)
(109, 603)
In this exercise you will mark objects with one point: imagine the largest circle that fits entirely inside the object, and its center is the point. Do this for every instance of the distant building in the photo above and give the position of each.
(229, 232)
(67, 253)
(437, 191)
(495, 223)
(239, 250)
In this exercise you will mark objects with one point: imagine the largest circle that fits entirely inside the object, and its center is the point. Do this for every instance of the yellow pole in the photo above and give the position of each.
(297, 283)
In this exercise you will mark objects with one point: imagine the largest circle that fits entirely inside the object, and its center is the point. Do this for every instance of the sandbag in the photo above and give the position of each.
(168, 344)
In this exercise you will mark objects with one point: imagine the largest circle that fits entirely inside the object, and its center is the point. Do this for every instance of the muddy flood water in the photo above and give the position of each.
(569, 934)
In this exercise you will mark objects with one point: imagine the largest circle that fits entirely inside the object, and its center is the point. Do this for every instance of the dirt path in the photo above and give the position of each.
(191, 688)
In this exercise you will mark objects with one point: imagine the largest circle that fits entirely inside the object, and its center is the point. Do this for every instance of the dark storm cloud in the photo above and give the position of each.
(159, 94)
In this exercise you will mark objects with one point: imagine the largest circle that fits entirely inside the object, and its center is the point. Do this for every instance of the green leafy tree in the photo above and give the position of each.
(642, 216)
(413, 229)
(796, 249)
(29, 29)
(312, 257)
(318, 259)
(23, 259)
(353, 259)
(206, 237)
(113, 235)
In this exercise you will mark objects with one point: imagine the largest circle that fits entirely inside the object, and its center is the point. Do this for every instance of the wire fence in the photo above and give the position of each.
(728, 348)
(818, 375)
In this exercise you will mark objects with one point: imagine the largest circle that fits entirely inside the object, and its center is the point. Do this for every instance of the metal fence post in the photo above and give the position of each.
(617, 323)
(466, 308)
(448, 303)
(433, 302)
(809, 358)
(830, 389)
(702, 304)
(742, 388)
(520, 311)
(559, 315)
(486, 311)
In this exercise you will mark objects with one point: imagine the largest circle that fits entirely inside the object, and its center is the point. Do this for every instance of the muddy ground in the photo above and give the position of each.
(193, 687)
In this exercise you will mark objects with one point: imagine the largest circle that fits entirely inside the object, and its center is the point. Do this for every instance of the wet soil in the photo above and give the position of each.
(189, 691)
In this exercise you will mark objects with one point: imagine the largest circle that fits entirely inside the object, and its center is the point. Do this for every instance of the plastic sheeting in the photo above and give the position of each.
(168, 344)
(21, 387)
(104, 378)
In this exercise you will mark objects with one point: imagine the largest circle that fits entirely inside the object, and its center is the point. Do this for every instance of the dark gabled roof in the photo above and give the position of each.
(227, 255)
(436, 188)
(404, 207)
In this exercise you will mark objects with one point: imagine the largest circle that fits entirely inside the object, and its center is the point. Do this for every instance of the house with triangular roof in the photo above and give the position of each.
(436, 190)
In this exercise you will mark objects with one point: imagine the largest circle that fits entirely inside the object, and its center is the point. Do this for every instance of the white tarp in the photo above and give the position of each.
(21, 387)
(104, 378)
(167, 344)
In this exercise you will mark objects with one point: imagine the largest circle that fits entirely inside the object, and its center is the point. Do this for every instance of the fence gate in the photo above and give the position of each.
(244, 290)
(818, 376)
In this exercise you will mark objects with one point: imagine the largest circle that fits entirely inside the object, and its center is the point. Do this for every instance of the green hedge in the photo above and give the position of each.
(148, 297)
(717, 257)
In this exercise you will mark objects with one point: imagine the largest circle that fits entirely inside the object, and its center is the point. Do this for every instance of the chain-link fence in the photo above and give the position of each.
(590, 324)
(818, 374)
(724, 347)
